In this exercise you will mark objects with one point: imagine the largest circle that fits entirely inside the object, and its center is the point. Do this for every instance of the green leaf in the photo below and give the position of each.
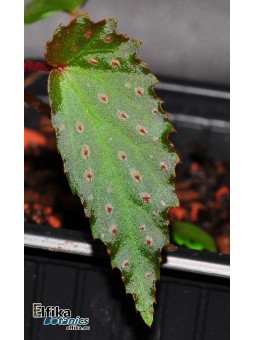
(40, 9)
(112, 135)
(192, 237)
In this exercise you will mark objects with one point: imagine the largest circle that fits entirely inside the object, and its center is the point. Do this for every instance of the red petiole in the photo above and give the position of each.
(30, 66)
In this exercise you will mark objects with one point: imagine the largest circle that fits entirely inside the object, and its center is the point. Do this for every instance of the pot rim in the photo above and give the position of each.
(79, 243)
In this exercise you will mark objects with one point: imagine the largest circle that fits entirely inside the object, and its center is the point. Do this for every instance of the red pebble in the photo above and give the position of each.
(223, 191)
(177, 213)
(54, 221)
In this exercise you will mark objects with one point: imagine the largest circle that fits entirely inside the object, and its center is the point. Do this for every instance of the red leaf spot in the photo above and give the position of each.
(88, 34)
(141, 130)
(107, 39)
(154, 111)
(102, 98)
(93, 61)
(125, 264)
(115, 63)
(148, 240)
(85, 151)
(114, 230)
(135, 175)
(163, 166)
(146, 197)
(89, 176)
(109, 209)
(142, 227)
(148, 275)
(122, 155)
(123, 115)
(139, 91)
(79, 127)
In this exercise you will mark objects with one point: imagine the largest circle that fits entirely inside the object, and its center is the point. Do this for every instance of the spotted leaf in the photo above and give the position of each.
(40, 9)
(112, 135)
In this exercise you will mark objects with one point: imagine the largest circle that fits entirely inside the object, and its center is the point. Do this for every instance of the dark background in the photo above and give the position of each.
(184, 39)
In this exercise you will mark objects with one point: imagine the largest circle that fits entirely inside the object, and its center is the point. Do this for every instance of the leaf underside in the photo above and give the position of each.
(112, 135)
(40, 9)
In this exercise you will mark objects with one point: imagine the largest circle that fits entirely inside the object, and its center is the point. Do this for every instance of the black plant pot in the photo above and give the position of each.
(65, 268)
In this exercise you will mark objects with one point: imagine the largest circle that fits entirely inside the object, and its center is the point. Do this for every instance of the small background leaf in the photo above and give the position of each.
(112, 135)
(40, 9)
(192, 237)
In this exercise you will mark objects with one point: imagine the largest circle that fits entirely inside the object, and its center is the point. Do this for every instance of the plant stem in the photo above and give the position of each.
(37, 103)
(36, 66)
